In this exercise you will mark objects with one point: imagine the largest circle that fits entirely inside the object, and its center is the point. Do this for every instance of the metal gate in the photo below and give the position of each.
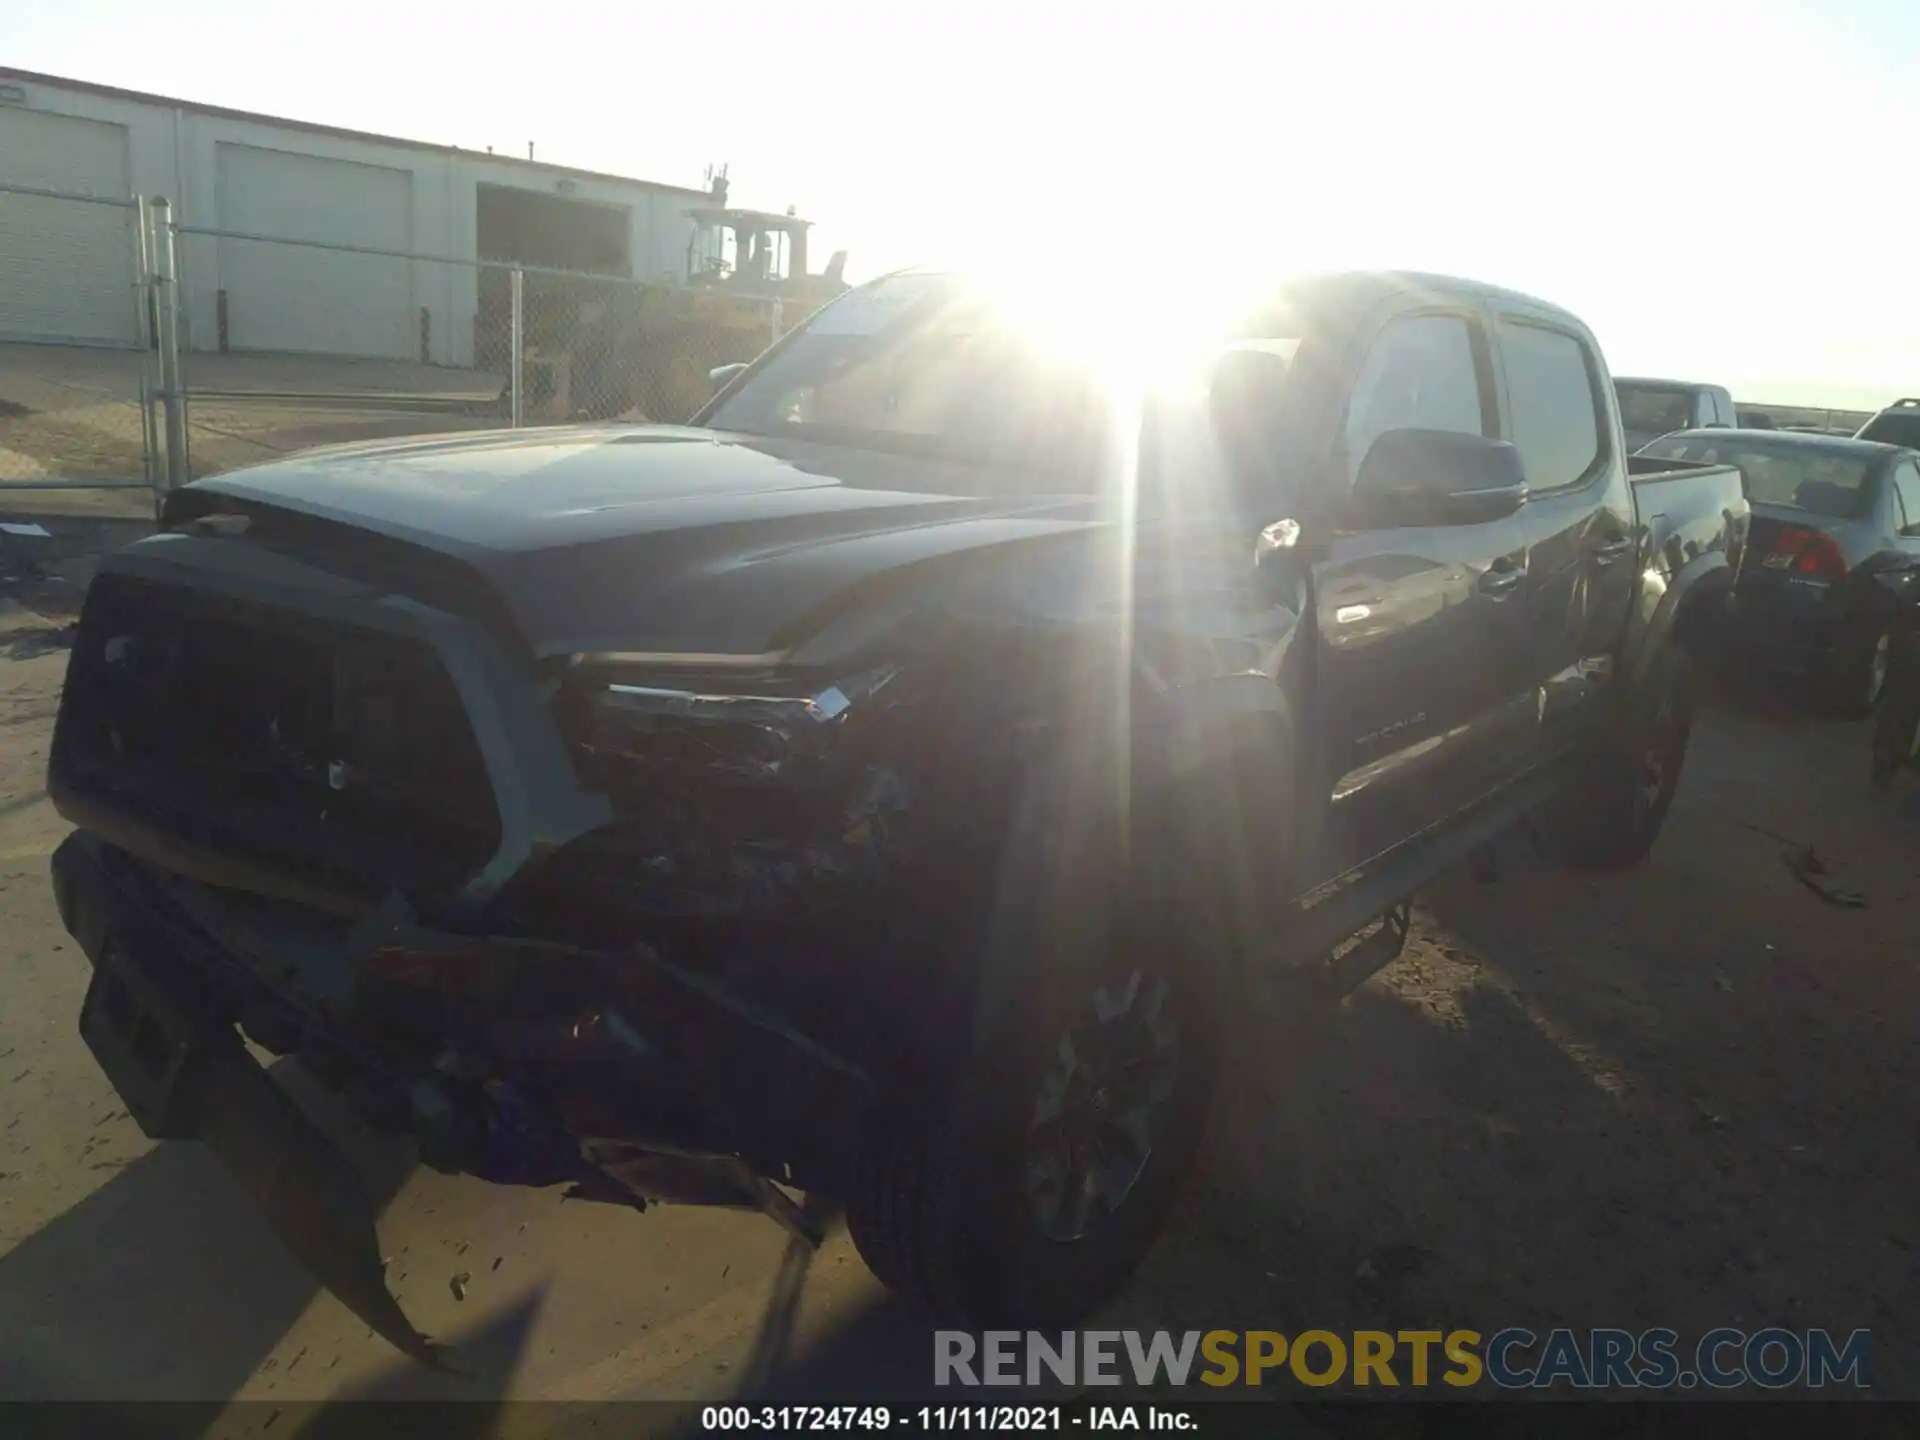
(492, 344)
(78, 413)
(499, 346)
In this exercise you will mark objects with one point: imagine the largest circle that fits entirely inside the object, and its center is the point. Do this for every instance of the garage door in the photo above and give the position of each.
(303, 297)
(66, 267)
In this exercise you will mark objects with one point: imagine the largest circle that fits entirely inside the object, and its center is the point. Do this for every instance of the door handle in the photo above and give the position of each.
(1501, 578)
(1610, 549)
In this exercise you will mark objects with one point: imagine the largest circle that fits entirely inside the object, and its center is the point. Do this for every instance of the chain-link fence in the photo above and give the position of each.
(291, 344)
(136, 353)
(1805, 417)
(76, 368)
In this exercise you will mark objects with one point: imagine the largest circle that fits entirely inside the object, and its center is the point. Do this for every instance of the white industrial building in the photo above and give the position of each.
(67, 269)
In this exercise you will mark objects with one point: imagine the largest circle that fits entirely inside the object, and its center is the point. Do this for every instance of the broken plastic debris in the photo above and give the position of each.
(1811, 871)
(829, 703)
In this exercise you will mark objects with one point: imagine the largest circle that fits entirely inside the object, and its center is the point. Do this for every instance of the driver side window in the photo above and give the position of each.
(1420, 375)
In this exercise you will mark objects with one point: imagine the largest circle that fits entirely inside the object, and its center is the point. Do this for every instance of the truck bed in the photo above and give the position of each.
(1645, 469)
(1689, 508)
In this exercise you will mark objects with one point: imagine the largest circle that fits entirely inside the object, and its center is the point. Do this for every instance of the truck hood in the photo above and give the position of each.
(648, 538)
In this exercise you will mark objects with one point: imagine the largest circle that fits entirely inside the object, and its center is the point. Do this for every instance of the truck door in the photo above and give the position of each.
(1413, 622)
(1577, 527)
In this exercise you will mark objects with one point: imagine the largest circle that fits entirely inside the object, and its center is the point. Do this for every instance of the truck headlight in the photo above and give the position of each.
(717, 734)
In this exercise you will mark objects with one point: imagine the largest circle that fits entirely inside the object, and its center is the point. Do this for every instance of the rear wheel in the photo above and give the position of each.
(1610, 819)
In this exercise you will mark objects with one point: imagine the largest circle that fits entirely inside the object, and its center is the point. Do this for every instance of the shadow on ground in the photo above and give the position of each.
(166, 1283)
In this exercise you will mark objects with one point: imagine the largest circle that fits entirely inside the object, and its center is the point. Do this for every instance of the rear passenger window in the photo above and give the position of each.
(1556, 421)
(1906, 480)
(1420, 375)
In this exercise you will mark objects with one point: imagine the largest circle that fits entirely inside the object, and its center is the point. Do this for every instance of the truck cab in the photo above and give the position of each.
(1652, 408)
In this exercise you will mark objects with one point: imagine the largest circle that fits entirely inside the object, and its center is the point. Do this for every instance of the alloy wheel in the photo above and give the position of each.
(1100, 1107)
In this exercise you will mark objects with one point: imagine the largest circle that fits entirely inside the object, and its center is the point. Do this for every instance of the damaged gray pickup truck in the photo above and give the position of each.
(881, 791)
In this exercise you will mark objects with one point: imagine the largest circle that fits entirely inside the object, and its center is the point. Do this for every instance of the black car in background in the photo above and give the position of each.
(1834, 553)
(1898, 424)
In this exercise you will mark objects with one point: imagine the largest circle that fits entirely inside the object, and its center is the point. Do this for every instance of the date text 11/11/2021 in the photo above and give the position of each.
(925, 1419)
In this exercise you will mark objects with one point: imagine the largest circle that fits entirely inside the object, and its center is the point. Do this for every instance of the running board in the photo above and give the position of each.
(1380, 891)
(1342, 973)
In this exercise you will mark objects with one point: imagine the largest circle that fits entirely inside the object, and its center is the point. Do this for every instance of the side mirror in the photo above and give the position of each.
(721, 376)
(1438, 477)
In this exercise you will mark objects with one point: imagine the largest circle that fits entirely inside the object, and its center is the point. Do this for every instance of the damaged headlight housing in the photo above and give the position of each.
(750, 734)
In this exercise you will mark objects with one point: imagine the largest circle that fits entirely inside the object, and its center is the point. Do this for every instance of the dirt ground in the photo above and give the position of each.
(70, 416)
(71, 422)
(1682, 1096)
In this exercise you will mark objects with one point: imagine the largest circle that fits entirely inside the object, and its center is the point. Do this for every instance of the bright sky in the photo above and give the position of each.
(1719, 187)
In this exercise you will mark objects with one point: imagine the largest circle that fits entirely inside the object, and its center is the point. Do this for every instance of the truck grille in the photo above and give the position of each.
(230, 723)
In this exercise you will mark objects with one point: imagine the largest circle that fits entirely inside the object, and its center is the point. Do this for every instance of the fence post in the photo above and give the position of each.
(167, 336)
(516, 343)
(149, 339)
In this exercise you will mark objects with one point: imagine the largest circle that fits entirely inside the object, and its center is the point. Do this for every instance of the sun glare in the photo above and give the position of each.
(1136, 333)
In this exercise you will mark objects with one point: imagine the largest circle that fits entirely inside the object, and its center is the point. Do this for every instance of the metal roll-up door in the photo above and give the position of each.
(308, 298)
(67, 267)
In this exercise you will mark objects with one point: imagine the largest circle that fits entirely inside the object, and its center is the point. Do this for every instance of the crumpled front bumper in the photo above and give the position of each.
(574, 1094)
(183, 1076)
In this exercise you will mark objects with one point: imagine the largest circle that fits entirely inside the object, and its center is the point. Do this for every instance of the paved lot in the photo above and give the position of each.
(1683, 1096)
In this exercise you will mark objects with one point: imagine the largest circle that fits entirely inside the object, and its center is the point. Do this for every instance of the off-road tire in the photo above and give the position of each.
(1610, 819)
(940, 1211)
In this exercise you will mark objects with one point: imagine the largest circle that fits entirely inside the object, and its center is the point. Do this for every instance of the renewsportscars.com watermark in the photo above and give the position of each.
(1511, 1359)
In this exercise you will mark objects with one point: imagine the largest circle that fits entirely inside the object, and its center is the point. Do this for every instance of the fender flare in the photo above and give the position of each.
(1062, 848)
(1667, 610)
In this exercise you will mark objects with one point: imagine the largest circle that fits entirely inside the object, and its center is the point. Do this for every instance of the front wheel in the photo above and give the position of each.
(1034, 1191)
(1610, 818)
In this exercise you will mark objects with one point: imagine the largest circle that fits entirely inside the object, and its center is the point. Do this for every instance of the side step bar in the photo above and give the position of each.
(1339, 975)
(1379, 892)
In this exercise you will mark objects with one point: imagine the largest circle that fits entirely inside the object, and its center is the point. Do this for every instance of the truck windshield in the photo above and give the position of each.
(923, 365)
(928, 365)
(1654, 410)
(1795, 477)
